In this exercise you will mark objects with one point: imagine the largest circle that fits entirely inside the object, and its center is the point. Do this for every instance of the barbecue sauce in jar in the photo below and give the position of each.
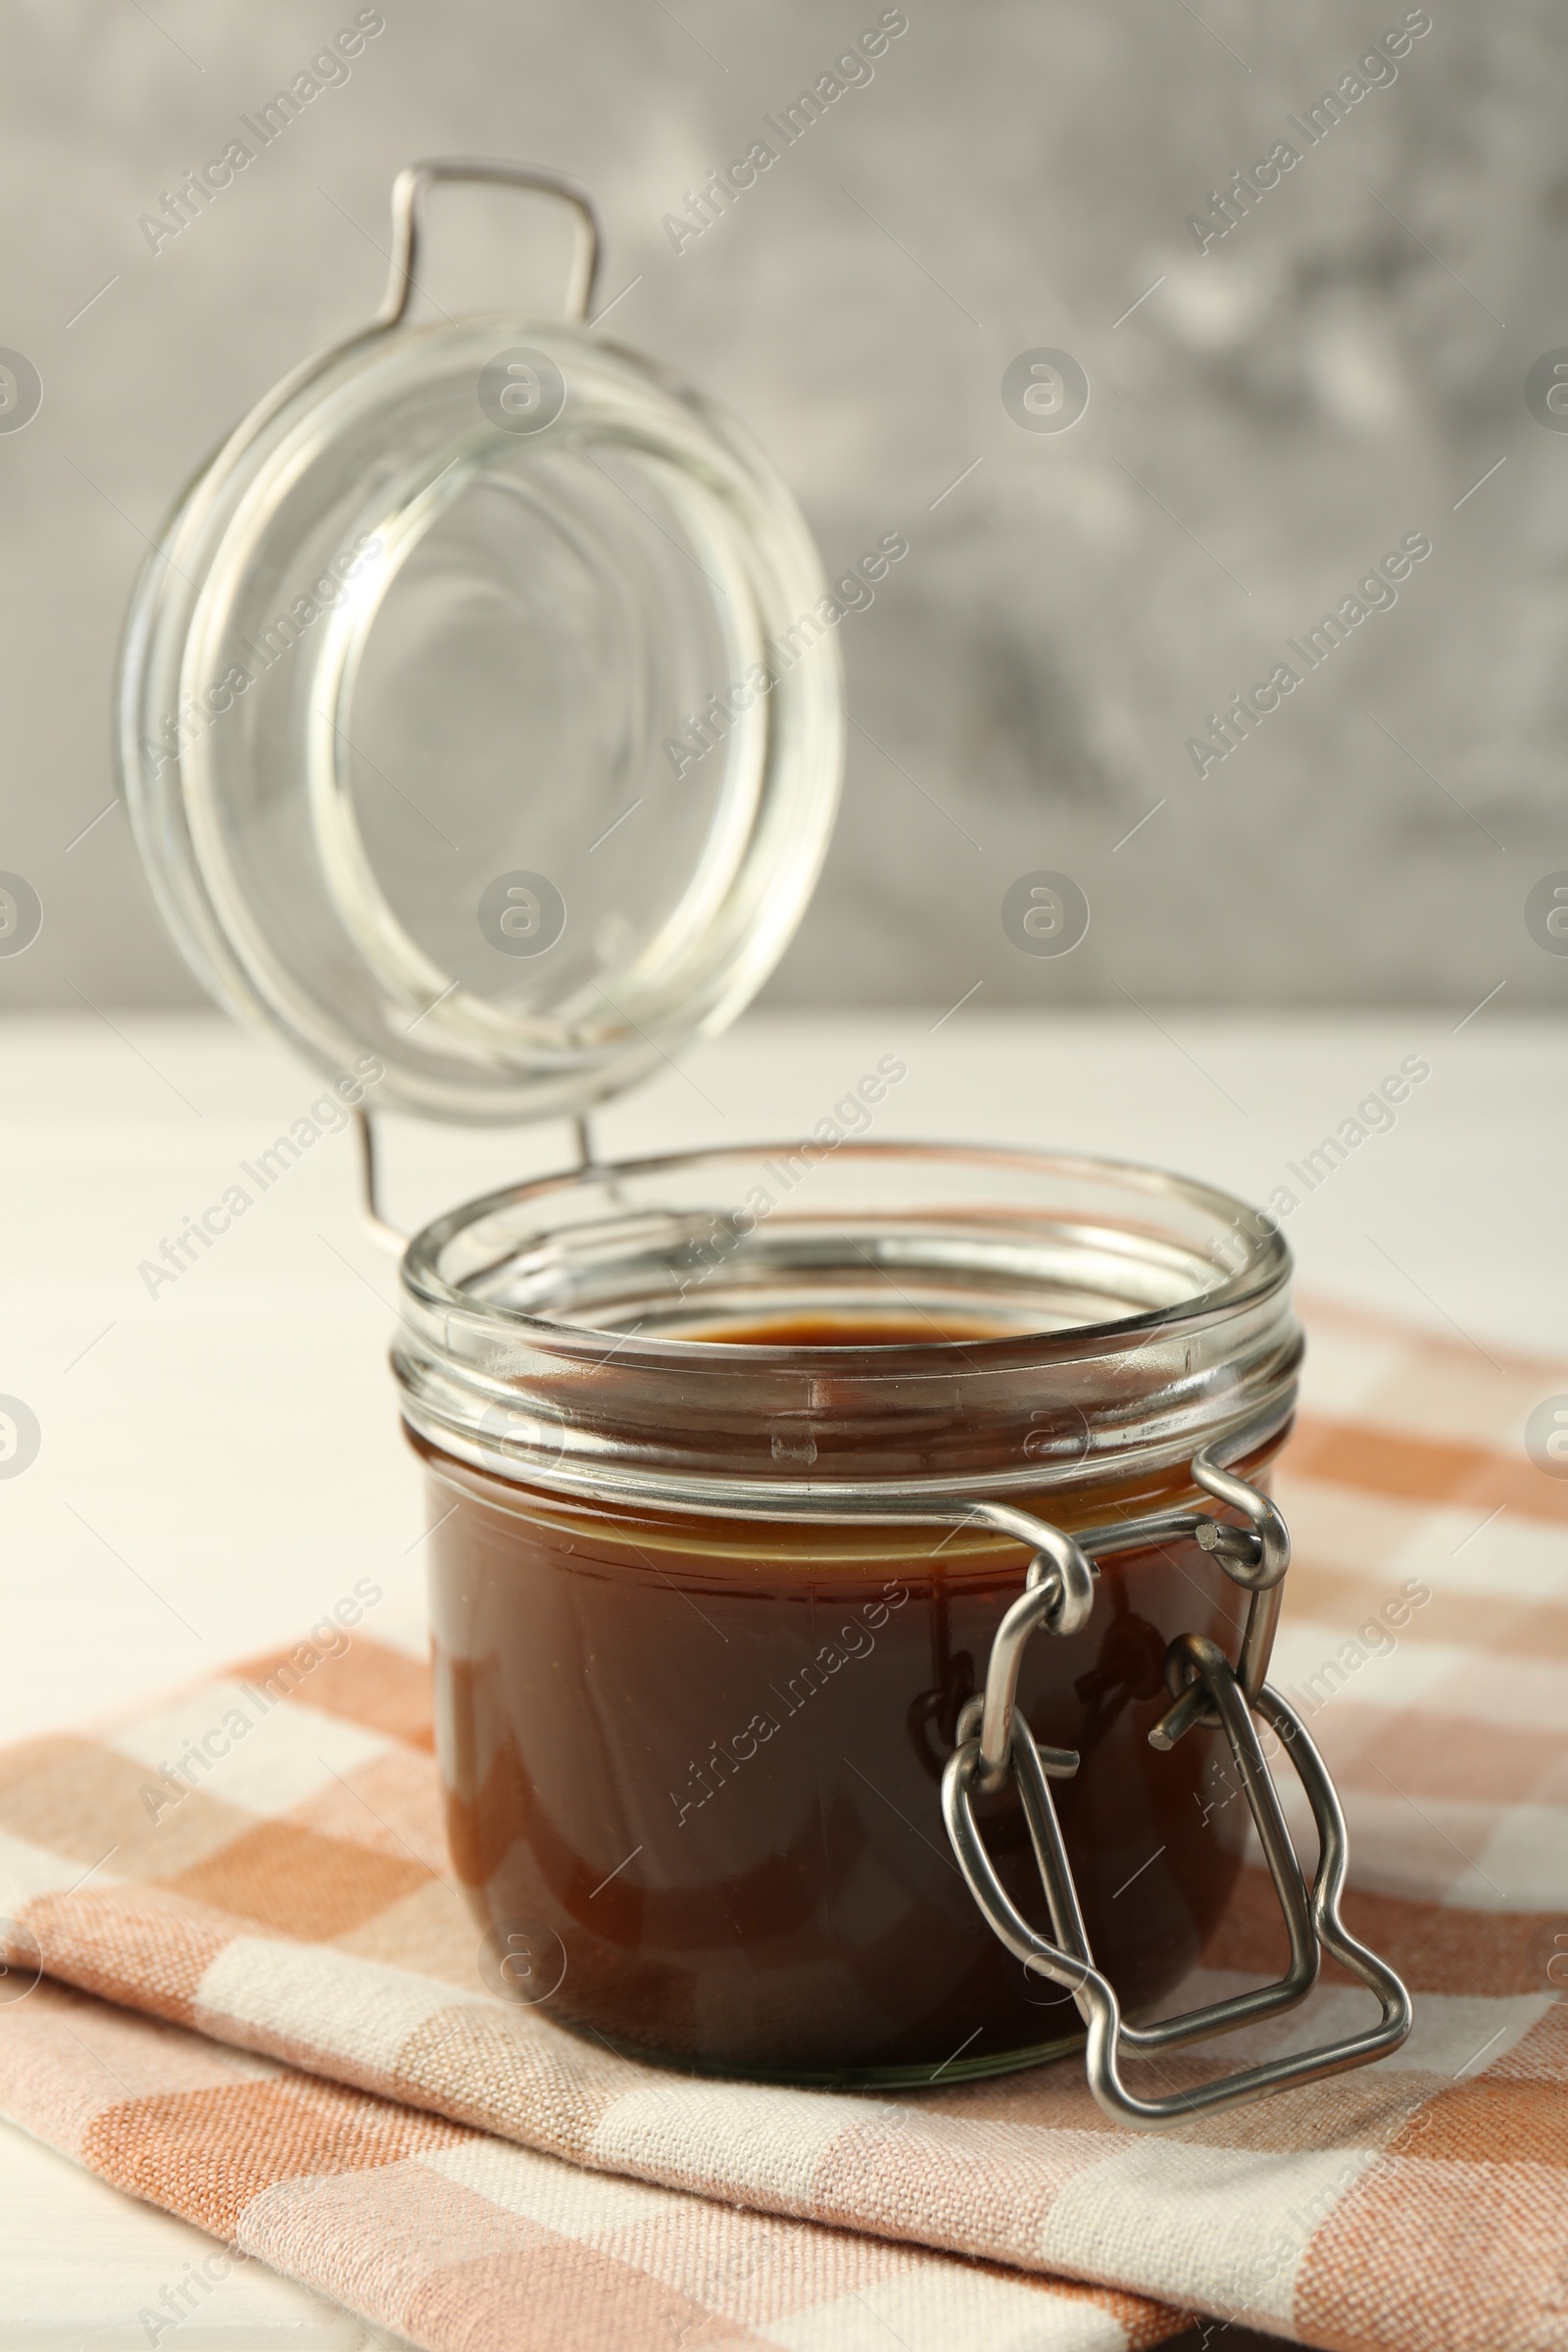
(691, 1767)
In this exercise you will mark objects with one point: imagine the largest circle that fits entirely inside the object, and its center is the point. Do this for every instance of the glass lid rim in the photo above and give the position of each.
(1266, 1272)
(331, 395)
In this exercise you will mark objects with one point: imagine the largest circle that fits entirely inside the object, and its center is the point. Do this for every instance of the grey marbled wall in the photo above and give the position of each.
(1344, 368)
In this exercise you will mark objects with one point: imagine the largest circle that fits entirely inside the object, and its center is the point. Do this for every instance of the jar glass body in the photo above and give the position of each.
(709, 1597)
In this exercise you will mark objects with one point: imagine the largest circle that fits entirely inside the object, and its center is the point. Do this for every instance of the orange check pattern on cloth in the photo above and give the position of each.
(264, 2011)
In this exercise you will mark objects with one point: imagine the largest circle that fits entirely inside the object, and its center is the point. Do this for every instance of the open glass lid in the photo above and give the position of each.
(480, 707)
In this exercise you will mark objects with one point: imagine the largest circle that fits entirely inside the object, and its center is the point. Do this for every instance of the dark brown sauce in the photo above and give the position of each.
(699, 1761)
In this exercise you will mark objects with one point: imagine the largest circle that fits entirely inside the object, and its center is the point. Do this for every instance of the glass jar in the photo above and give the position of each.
(480, 727)
(702, 1639)
(476, 708)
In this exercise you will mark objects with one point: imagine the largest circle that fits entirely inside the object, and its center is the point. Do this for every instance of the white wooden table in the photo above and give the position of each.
(217, 1459)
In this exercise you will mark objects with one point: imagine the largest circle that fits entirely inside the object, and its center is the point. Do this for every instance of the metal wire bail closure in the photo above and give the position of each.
(994, 1741)
(414, 182)
(409, 193)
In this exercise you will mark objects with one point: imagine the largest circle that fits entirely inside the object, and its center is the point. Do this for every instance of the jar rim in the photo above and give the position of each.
(1263, 1271)
(335, 526)
(493, 1373)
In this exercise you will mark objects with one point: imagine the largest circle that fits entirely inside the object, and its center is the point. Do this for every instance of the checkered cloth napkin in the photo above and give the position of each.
(263, 2010)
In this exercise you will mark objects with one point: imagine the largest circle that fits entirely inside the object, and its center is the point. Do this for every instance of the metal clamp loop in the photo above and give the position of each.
(1256, 1557)
(413, 183)
(1058, 1594)
(994, 1741)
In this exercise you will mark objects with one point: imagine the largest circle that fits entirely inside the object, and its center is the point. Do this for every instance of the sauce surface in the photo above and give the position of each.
(844, 1330)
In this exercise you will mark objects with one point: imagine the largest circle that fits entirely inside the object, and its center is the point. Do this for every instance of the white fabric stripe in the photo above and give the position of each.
(1458, 1548)
(1448, 2032)
(403, 1624)
(1527, 1854)
(356, 2011)
(1317, 1663)
(1346, 1371)
(1471, 1857)
(283, 1755)
(734, 2262)
(1310, 1667)
(27, 1870)
(1219, 2229)
(1385, 1540)
(590, 2207)
(1411, 1390)
(941, 2308)
(756, 2140)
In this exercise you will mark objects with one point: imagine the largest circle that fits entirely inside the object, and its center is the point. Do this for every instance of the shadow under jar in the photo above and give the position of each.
(704, 1437)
